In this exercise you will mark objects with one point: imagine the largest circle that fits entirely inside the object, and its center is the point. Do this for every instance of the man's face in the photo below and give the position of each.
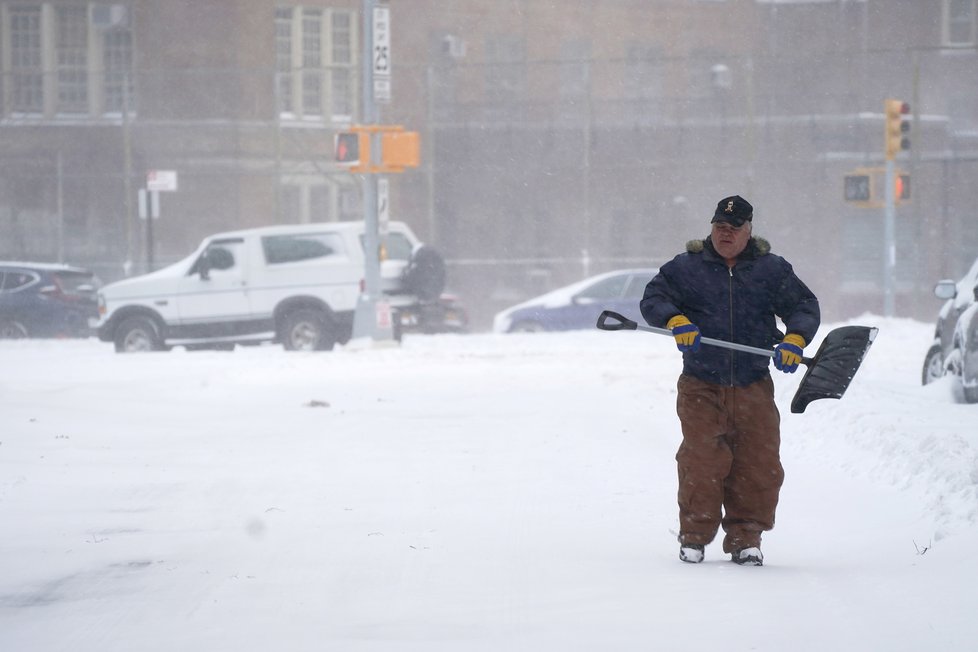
(730, 240)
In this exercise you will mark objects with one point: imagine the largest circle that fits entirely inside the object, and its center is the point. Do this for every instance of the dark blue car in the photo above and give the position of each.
(577, 306)
(46, 300)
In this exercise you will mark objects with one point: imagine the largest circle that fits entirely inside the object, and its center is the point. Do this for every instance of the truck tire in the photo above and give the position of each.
(138, 335)
(307, 330)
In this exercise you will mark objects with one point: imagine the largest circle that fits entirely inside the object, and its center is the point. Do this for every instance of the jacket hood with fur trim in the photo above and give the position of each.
(756, 246)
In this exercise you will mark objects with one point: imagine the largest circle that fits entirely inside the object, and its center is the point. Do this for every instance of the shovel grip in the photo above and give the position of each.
(622, 322)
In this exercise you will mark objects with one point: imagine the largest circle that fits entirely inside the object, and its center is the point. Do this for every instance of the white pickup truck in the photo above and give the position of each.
(297, 284)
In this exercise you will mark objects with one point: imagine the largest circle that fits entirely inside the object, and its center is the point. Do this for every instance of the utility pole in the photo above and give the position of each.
(366, 321)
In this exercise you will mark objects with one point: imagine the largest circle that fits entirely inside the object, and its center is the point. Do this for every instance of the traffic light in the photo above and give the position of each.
(902, 189)
(897, 127)
(348, 147)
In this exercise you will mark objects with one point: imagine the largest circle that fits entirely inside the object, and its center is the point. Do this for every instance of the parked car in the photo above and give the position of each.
(955, 346)
(46, 300)
(577, 306)
(295, 284)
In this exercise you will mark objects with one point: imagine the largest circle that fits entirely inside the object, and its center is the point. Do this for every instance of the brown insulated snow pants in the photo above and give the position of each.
(729, 458)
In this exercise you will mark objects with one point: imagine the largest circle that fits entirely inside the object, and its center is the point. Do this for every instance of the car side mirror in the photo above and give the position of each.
(946, 289)
(214, 258)
(204, 267)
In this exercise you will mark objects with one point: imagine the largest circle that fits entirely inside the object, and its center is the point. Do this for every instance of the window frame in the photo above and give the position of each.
(315, 79)
(946, 25)
(63, 79)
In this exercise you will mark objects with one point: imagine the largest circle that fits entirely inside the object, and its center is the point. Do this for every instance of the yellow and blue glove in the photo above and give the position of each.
(787, 355)
(686, 333)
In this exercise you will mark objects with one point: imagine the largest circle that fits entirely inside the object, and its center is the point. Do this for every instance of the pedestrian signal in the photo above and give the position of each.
(348, 147)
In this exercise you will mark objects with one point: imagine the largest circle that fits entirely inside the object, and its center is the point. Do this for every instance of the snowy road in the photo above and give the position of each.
(463, 493)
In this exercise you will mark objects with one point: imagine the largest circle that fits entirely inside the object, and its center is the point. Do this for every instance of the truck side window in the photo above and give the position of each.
(295, 248)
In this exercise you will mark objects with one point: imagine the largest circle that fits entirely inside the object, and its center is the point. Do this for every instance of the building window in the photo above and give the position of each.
(959, 23)
(505, 76)
(315, 63)
(117, 64)
(26, 81)
(71, 48)
(313, 198)
(62, 59)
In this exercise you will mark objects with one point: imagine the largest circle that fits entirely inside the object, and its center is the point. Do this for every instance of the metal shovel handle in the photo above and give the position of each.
(622, 323)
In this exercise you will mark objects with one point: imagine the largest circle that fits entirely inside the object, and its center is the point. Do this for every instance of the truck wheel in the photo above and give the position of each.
(11, 329)
(307, 330)
(137, 334)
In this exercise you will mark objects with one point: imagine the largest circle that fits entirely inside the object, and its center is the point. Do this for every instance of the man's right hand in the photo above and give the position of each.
(686, 333)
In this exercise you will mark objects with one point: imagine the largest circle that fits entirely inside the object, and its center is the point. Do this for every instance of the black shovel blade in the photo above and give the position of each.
(834, 365)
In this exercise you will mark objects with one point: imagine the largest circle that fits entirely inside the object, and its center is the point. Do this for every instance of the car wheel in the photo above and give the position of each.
(307, 330)
(933, 365)
(527, 327)
(11, 329)
(138, 335)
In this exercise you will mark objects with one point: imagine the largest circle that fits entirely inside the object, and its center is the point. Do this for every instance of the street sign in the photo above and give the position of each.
(161, 180)
(149, 204)
(382, 54)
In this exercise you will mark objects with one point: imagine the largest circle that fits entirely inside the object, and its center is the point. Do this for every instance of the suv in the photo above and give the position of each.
(955, 346)
(298, 285)
(46, 300)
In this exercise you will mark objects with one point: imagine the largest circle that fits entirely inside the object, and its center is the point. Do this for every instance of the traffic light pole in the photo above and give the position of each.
(365, 319)
(896, 139)
(889, 239)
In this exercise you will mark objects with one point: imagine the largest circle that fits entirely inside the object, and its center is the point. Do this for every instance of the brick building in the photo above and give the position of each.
(559, 139)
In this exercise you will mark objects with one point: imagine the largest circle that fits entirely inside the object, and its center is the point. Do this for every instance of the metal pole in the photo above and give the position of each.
(61, 207)
(150, 246)
(127, 179)
(365, 323)
(889, 240)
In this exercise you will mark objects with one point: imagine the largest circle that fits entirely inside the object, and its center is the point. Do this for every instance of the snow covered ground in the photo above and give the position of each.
(461, 493)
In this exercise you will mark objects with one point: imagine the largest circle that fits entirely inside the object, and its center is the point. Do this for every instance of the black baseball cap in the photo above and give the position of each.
(733, 210)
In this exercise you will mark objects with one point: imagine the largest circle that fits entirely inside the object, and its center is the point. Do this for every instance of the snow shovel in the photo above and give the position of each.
(829, 372)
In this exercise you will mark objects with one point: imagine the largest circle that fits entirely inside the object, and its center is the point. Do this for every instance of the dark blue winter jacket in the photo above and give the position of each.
(735, 304)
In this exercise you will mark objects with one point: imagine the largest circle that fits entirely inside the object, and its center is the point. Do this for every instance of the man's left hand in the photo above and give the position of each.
(787, 355)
